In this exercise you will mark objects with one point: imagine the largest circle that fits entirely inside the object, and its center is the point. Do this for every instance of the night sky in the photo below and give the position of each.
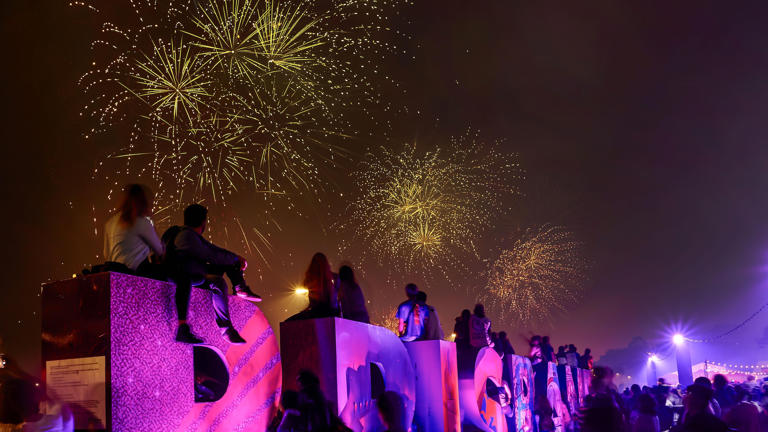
(641, 127)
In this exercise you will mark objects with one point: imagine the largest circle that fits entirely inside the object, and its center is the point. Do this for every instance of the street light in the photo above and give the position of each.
(683, 356)
(678, 339)
(651, 372)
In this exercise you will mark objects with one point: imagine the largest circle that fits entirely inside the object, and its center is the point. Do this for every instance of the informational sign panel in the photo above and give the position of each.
(80, 383)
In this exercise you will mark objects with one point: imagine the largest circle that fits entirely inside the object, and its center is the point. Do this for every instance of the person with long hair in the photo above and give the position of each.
(351, 297)
(130, 236)
(322, 292)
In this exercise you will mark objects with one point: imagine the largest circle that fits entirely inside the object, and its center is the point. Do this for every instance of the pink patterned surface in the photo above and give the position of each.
(152, 375)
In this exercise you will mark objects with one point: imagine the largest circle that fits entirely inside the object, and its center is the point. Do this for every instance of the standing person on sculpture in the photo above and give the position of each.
(461, 329)
(572, 356)
(547, 351)
(585, 361)
(479, 329)
(560, 356)
(322, 290)
(432, 328)
(194, 261)
(464, 359)
(506, 345)
(130, 236)
(351, 297)
(410, 316)
(535, 351)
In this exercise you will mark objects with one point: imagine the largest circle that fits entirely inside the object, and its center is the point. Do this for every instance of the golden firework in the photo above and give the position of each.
(541, 275)
(424, 212)
(226, 31)
(212, 95)
(172, 78)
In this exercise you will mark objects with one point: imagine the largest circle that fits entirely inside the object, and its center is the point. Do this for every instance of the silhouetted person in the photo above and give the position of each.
(535, 350)
(19, 410)
(547, 352)
(410, 316)
(479, 329)
(323, 298)
(391, 408)
(644, 417)
(724, 393)
(351, 297)
(697, 417)
(130, 236)
(585, 361)
(292, 420)
(572, 356)
(194, 261)
(505, 345)
(744, 416)
(314, 406)
(432, 328)
(602, 410)
(461, 329)
(464, 353)
(714, 406)
(560, 356)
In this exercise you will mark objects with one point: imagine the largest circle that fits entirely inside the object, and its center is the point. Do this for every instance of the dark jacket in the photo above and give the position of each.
(191, 254)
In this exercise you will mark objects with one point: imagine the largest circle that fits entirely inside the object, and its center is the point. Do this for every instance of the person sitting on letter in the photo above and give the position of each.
(194, 261)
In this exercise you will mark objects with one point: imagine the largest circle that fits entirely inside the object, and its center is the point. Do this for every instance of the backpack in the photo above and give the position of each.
(432, 328)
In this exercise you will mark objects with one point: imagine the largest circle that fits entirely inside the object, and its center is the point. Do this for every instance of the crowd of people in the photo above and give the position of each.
(182, 255)
(715, 405)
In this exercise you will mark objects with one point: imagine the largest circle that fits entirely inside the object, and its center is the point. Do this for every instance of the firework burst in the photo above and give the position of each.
(541, 275)
(425, 212)
(386, 318)
(171, 80)
(212, 96)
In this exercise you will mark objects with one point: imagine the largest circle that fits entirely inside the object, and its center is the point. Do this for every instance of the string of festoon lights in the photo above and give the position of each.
(736, 369)
(738, 366)
(731, 331)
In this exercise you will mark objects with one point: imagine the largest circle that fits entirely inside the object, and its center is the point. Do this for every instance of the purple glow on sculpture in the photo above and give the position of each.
(152, 375)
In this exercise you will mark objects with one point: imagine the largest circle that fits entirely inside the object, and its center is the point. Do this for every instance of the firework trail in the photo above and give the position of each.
(541, 275)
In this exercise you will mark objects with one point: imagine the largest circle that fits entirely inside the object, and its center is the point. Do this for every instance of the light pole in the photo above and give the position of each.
(683, 355)
(652, 359)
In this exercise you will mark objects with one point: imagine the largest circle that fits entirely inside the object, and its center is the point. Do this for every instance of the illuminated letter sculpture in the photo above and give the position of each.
(522, 391)
(585, 378)
(437, 386)
(559, 411)
(478, 409)
(124, 327)
(355, 363)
